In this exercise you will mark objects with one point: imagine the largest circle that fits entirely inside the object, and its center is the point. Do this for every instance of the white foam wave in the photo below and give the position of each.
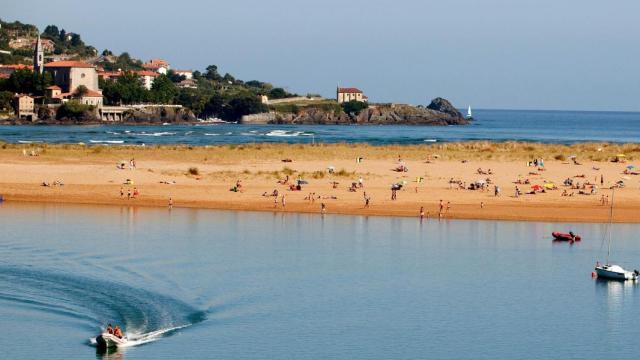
(30, 141)
(106, 141)
(430, 140)
(211, 134)
(284, 133)
(162, 133)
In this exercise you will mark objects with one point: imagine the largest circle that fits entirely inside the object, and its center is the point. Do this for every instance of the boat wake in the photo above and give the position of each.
(146, 316)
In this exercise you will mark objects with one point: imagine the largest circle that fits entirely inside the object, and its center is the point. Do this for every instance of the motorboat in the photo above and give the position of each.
(565, 236)
(106, 340)
(616, 272)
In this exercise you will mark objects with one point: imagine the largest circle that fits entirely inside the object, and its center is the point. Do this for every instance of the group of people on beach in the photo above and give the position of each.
(130, 194)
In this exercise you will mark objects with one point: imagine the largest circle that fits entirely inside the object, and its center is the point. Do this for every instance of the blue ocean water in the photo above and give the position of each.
(204, 284)
(494, 125)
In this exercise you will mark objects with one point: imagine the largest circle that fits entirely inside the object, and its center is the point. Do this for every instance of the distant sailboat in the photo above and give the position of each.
(469, 114)
(609, 271)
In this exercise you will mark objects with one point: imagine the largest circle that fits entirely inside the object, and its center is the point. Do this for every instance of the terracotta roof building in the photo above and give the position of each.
(69, 74)
(350, 94)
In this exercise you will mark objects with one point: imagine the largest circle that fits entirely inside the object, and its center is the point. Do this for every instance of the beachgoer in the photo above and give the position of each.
(601, 179)
(481, 204)
(323, 208)
(109, 329)
(361, 182)
(421, 212)
(170, 203)
(135, 192)
(366, 201)
(121, 192)
(128, 194)
(283, 201)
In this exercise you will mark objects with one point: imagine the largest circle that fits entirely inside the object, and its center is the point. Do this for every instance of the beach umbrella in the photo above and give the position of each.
(536, 187)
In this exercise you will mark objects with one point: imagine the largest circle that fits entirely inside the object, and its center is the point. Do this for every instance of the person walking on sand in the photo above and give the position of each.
(128, 194)
(121, 193)
(366, 202)
(323, 208)
(481, 204)
(601, 179)
(421, 213)
(275, 202)
(170, 203)
(284, 202)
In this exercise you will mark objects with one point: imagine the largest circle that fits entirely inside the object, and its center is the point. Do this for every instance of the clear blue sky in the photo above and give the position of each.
(517, 54)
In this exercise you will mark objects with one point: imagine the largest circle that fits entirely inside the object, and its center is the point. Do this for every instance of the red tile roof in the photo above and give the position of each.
(4, 76)
(68, 64)
(54, 87)
(146, 73)
(16, 66)
(91, 93)
(349, 91)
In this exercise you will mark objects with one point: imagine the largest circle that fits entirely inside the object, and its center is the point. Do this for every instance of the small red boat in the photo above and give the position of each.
(565, 237)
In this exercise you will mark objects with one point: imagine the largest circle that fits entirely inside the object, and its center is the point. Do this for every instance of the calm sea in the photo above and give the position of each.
(196, 284)
(494, 125)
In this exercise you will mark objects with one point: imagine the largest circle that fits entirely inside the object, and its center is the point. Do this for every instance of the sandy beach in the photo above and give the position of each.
(202, 177)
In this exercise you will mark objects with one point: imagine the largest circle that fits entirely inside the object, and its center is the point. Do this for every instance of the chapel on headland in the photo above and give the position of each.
(350, 94)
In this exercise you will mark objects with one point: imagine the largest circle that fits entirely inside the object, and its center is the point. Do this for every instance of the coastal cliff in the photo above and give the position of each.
(439, 112)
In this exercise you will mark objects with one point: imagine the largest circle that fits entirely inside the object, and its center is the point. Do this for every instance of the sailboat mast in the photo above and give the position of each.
(613, 191)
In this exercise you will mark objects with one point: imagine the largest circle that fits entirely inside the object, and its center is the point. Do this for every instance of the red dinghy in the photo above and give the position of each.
(565, 237)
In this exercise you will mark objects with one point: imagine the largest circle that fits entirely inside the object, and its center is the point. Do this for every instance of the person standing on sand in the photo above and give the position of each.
(366, 202)
(323, 208)
(601, 179)
(421, 213)
(284, 202)
(128, 194)
(121, 193)
(481, 204)
(275, 202)
(170, 203)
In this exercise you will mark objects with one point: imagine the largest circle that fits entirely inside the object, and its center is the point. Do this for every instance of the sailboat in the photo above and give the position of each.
(469, 115)
(609, 271)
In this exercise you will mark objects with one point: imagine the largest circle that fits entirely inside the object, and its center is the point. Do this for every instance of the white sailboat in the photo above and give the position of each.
(469, 114)
(610, 271)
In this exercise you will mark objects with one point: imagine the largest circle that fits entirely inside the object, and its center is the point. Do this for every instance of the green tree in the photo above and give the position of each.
(163, 90)
(5, 100)
(278, 93)
(76, 41)
(127, 89)
(215, 106)
(243, 105)
(75, 110)
(212, 73)
(21, 81)
(80, 91)
(354, 106)
(192, 99)
(52, 32)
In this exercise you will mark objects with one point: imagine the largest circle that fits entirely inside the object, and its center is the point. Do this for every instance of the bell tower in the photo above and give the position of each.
(38, 57)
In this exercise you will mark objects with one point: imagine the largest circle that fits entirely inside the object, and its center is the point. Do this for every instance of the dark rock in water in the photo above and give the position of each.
(444, 106)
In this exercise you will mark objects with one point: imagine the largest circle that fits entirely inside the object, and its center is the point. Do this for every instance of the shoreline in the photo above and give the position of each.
(202, 178)
(462, 212)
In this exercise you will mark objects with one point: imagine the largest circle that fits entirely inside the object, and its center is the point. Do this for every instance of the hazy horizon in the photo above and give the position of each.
(493, 54)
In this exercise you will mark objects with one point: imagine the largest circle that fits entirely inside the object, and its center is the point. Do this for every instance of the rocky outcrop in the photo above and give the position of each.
(160, 115)
(439, 112)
